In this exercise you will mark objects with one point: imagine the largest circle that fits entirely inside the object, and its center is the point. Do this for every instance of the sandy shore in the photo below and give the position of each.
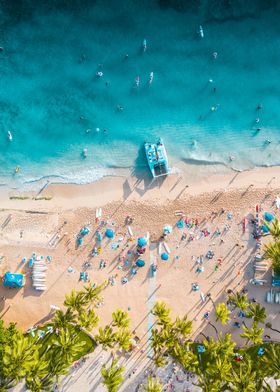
(50, 227)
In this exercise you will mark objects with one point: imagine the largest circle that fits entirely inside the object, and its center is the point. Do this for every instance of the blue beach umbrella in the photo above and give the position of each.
(109, 233)
(180, 224)
(200, 348)
(167, 229)
(265, 229)
(84, 231)
(142, 241)
(268, 217)
(140, 263)
(164, 256)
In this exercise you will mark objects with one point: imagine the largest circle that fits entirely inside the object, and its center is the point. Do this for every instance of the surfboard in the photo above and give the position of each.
(202, 297)
(130, 231)
(159, 248)
(166, 247)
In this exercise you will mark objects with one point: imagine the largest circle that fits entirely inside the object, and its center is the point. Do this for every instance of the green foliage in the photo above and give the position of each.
(112, 377)
(162, 313)
(120, 319)
(222, 313)
(106, 337)
(253, 334)
(257, 313)
(274, 229)
(153, 385)
(272, 252)
(239, 300)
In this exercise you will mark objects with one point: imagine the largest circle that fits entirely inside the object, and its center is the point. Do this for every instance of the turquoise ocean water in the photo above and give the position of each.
(52, 101)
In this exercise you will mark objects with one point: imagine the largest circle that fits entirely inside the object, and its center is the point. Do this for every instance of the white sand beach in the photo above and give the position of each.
(216, 205)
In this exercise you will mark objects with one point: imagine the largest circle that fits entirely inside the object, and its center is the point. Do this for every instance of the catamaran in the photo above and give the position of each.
(157, 158)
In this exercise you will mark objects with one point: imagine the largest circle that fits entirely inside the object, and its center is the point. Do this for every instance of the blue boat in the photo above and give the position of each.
(157, 158)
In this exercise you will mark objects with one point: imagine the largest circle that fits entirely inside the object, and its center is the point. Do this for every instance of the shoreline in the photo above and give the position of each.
(121, 187)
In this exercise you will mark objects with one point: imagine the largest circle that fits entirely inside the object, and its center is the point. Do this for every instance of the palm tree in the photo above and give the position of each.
(254, 334)
(272, 360)
(215, 329)
(123, 337)
(239, 300)
(274, 229)
(153, 385)
(162, 313)
(220, 369)
(243, 378)
(63, 319)
(91, 294)
(257, 313)
(106, 337)
(185, 357)
(38, 378)
(120, 319)
(159, 360)
(222, 313)
(272, 252)
(112, 377)
(269, 326)
(224, 348)
(18, 357)
(74, 301)
(67, 346)
(88, 320)
(182, 327)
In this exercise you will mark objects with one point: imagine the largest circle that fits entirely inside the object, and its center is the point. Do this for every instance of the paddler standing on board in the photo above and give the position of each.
(137, 81)
(144, 45)
(151, 77)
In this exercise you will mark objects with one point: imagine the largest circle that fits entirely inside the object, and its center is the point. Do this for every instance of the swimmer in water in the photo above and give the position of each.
(259, 107)
(17, 169)
(84, 153)
(120, 108)
(215, 55)
(257, 120)
(99, 74)
(231, 158)
(97, 129)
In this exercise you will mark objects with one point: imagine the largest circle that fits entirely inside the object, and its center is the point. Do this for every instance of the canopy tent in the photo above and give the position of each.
(268, 216)
(140, 263)
(142, 241)
(13, 280)
(164, 256)
(109, 233)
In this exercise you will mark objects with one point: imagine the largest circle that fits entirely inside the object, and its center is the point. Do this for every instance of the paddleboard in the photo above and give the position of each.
(166, 247)
(130, 231)
(202, 297)
(148, 237)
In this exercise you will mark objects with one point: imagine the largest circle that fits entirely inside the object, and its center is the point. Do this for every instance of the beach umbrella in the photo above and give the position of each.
(109, 233)
(84, 231)
(142, 241)
(180, 224)
(140, 263)
(164, 256)
(167, 229)
(268, 217)
(265, 229)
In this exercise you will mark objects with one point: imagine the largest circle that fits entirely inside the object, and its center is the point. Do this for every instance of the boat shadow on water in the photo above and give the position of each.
(143, 178)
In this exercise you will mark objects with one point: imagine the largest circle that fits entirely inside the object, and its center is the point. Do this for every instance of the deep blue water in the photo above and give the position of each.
(50, 95)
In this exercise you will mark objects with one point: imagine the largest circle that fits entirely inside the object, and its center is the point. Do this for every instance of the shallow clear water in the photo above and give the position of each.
(50, 95)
